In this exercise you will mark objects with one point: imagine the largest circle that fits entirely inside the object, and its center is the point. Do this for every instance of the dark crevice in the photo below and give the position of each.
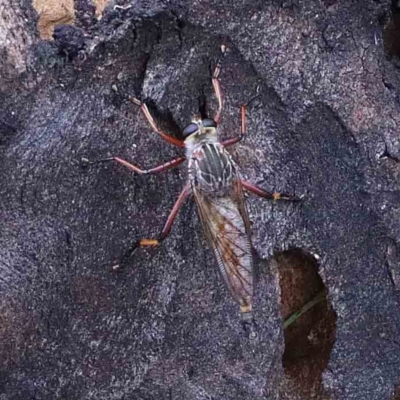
(329, 3)
(328, 47)
(190, 372)
(180, 26)
(391, 33)
(310, 334)
(8, 129)
(396, 395)
(382, 19)
(203, 104)
(392, 264)
(159, 34)
(388, 156)
(387, 85)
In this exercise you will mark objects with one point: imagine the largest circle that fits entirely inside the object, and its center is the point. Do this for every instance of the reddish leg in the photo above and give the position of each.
(164, 233)
(164, 167)
(146, 113)
(217, 87)
(168, 225)
(230, 142)
(267, 195)
(218, 93)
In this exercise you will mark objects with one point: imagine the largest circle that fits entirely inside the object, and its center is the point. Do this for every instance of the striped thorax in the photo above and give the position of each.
(211, 167)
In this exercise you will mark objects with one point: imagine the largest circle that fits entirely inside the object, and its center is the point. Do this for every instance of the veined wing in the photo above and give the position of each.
(227, 230)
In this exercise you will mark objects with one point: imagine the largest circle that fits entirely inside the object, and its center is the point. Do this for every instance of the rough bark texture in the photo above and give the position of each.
(324, 126)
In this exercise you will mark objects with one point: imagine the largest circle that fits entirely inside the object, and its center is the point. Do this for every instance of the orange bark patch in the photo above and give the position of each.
(52, 13)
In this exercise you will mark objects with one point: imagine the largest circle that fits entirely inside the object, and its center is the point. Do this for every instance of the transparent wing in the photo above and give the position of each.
(227, 230)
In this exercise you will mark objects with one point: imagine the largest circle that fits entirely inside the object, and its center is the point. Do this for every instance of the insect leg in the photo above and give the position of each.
(164, 233)
(164, 167)
(218, 93)
(171, 218)
(217, 87)
(230, 142)
(267, 195)
(148, 116)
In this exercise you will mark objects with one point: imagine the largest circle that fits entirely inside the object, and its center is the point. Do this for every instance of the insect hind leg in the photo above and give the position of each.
(267, 195)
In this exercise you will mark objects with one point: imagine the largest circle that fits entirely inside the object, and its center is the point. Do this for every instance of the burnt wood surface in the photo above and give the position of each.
(325, 126)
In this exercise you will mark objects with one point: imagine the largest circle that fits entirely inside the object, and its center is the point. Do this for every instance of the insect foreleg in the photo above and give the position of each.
(230, 142)
(217, 88)
(218, 93)
(164, 167)
(171, 218)
(243, 109)
(150, 120)
(267, 195)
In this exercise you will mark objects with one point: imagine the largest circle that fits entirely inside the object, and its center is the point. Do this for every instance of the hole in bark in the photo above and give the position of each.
(391, 34)
(309, 322)
(329, 3)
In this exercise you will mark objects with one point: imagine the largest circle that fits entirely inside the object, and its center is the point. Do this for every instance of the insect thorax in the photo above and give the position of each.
(211, 168)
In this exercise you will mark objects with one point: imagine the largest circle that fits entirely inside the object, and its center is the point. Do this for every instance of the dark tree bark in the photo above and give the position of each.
(324, 127)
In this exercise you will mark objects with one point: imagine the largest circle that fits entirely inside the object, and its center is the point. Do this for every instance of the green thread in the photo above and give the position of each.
(295, 316)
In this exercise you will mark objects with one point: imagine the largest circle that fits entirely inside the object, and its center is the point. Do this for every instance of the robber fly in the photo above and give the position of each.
(214, 181)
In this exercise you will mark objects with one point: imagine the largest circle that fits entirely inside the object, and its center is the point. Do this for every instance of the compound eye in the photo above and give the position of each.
(209, 123)
(191, 128)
